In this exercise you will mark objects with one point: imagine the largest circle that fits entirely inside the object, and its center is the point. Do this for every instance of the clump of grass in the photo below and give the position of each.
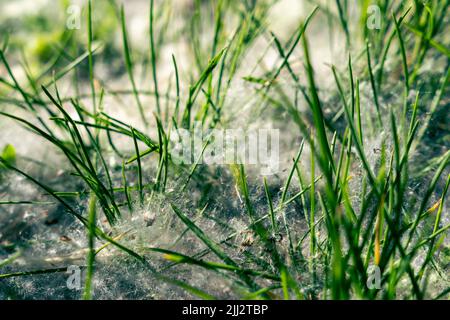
(318, 238)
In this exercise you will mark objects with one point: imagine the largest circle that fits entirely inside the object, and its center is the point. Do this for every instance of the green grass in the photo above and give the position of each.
(129, 65)
(340, 208)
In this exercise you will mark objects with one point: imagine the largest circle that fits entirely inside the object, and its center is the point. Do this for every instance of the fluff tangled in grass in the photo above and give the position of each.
(357, 208)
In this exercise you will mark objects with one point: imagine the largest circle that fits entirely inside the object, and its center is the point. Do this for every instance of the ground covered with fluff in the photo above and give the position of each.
(94, 203)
